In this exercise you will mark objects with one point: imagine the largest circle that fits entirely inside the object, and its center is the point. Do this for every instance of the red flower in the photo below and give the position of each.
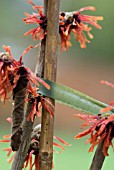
(101, 128)
(38, 102)
(33, 152)
(68, 22)
(75, 22)
(36, 18)
(10, 72)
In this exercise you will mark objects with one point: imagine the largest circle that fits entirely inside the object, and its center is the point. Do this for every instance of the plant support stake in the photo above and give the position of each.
(46, 142)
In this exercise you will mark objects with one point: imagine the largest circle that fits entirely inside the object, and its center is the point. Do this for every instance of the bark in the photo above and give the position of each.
(50, 69)
(98, 158)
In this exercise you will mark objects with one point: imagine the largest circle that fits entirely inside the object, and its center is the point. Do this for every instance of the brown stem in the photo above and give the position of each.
(98, 158)
(18, 112)
(46, 141)
(39, 71)
(26, 139)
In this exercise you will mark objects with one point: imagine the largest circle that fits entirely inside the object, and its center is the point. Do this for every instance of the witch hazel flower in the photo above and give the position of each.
(101, 129)
(69, 22)
(101, 126)
(77, 23)
(39, 102)
(10, 72)
(32, 157)
(39, 18)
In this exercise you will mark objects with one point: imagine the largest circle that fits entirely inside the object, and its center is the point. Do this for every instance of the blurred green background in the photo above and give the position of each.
(81, 69)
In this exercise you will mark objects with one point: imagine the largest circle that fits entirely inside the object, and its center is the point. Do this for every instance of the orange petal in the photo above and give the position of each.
(62, 141)
(6, 141)
(91, 8)
(27, 49)
(107, 83)
(107, 109)
(57, 145)
(7, 136)
(86, 132)
(9, 120)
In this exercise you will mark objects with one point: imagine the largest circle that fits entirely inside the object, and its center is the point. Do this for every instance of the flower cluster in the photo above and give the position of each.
(101, 129)
(36, 18)
(38, 102)
(10, 72)
(74, 22)
(33, 152)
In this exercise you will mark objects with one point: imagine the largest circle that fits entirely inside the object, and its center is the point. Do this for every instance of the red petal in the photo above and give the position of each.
(107, 109)
(27, 49)
(26, 161)
(59, 146)
(11, 159)
(30, 32)
(7, 141)
(30, 2)
(9, 120)
(7, 49)
(86, 132)
(9, 150)
(62, 141)
(47, 108)
(91, 8)
(36, 162)
(38, 79)
(7, 136)
(107, 83)
(32, 89)
(30, 159)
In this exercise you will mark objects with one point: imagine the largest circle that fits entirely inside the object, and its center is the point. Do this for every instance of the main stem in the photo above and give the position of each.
(50, 69)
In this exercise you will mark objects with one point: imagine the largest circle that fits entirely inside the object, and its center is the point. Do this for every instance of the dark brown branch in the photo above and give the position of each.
(46, 142)
(26, 139)
(18, 112)
(98, 158)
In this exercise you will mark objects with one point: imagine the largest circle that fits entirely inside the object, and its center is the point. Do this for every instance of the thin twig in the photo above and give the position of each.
(46, 141)
(98, 158)
(39, 70)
